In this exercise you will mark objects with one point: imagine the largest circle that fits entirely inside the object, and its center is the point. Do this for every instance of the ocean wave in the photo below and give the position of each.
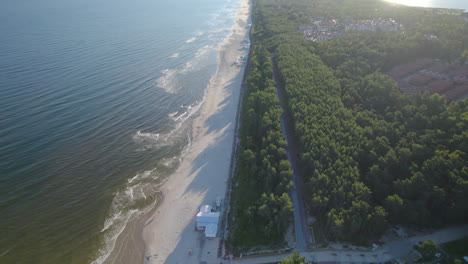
(200, 55)
(6, 251)
(141, 190)
(110, 221)
(219, 29)
(202, 52)
(175, 55)
(190, 40)
(148, 140)
(167, 81)
(112, 233)
(169, 77)
(137, 198)
(140, 136)
(169, 163)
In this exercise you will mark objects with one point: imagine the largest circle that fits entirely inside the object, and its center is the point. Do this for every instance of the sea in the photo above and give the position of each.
(457, 4)
(96, 100)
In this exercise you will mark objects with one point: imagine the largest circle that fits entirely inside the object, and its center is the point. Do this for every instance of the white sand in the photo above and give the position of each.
(203, 173)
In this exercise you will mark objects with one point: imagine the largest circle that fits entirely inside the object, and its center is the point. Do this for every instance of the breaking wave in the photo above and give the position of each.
(141, 191)
(167, 81)
(139, 195)
(190, 40)
(170, 78)
(175, 55)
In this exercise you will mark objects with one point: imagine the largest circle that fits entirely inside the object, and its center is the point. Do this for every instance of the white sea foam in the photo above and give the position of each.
(147, 140)
(129, 192)
(132, 179)
(175, 55)
(112, 234)
(167, 81)
(190, 40)
(201, 53)
(200, 56)
(169, 162)
(178, 117)
(140, 136)
(6, 251)
(188, 67)
(109, 221)
(120, 212)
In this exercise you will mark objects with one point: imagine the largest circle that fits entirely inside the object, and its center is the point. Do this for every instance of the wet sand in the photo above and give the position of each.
(169, 233)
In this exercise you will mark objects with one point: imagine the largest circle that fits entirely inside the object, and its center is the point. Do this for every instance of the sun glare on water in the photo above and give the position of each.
(423, 3)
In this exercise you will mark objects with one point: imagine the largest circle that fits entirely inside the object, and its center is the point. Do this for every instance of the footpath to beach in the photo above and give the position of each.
(203, 174)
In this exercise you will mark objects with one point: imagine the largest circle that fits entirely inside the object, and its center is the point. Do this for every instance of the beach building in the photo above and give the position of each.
(322, 36)
(374, 25)
(331, 25)
(207, 221)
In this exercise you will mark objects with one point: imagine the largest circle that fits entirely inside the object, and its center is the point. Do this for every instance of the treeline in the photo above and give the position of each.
(330, 145)
(283, 17)
(262, 208)
(370, 156)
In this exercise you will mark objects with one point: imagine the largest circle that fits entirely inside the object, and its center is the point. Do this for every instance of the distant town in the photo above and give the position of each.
(424, 74)
(323, 28)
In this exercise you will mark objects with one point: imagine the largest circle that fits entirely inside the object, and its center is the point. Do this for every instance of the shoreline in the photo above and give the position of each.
(168, 231)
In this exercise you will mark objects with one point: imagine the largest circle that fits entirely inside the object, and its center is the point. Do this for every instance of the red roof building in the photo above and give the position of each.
(457, 92)
(404, 70)
(420, 79)
(438, 86)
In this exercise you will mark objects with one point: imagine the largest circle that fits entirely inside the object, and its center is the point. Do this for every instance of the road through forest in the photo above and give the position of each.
(303, 234)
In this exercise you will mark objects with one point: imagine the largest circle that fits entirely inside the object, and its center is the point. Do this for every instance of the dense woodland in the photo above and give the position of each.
(262, 207)
(370, 156)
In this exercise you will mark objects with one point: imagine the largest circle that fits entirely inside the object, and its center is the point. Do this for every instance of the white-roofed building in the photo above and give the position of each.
(207, 221)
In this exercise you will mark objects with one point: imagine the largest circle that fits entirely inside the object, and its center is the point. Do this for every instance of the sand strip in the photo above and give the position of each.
(202, 176)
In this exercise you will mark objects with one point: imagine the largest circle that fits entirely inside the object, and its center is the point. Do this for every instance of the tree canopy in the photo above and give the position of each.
(370, 156)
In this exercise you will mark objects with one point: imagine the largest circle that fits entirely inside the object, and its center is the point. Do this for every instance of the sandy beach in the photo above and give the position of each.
(202, 176)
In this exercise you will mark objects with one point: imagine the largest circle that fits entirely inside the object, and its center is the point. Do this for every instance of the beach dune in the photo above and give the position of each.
(169, 234)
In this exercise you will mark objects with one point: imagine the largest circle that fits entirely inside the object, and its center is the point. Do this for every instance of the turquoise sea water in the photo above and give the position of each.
(95, 101)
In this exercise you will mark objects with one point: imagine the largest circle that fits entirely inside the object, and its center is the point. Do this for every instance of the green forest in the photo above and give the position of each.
(370, 156)
(262, 207)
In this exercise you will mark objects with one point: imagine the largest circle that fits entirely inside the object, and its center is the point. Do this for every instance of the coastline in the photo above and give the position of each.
(168, 231)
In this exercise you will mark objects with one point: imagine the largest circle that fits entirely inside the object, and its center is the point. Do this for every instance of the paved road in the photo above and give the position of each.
(391, 250)
(302, 232)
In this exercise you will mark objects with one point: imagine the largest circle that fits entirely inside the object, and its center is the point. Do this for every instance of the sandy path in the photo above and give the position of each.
(202, 176)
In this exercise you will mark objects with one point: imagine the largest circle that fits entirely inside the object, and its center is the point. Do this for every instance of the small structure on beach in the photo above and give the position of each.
(207, 220)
